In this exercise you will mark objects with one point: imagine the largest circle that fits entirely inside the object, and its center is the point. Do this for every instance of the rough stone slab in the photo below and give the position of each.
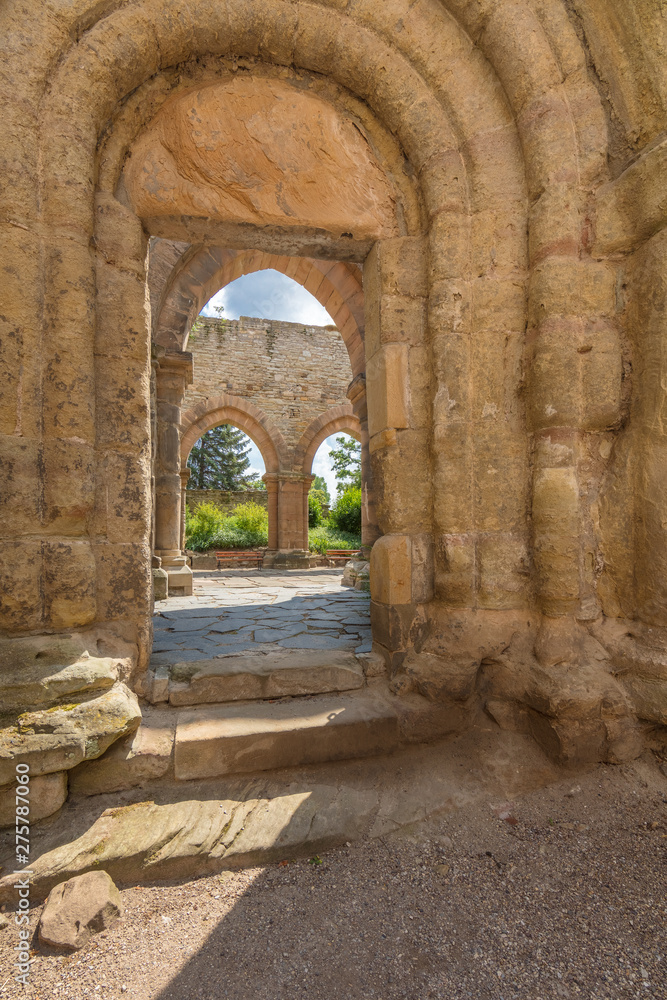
(143, 756)
(235, 739)
(252, 677)
(195, 836)
(47, 795)
(57, 739)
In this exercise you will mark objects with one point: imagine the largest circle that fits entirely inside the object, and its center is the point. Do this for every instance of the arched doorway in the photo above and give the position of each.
(228, 409)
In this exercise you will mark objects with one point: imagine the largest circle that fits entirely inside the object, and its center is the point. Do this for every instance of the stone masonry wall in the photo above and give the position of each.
(291, 372)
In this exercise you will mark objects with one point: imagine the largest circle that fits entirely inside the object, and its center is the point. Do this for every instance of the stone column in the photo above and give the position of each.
(185, 475)
(292, 519)
(398, 373)
(356, 393)
(271, 481)
(173, 375)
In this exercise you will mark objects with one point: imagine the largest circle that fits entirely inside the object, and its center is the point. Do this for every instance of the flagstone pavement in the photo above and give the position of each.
(238, 612)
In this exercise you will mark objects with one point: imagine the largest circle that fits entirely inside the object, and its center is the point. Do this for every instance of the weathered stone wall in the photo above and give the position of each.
(292, 373)
(515, 299)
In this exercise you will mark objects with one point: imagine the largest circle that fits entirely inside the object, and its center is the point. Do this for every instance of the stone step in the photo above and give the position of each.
(251, 677)
(234, 739)
(186, 830)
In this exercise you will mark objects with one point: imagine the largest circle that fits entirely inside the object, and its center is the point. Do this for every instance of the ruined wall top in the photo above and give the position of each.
(291, 372)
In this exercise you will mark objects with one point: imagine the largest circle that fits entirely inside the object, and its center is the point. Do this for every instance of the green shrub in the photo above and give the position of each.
(346, 512)
(325, 537)
(251, 517)
(202, 525)
(207, 527)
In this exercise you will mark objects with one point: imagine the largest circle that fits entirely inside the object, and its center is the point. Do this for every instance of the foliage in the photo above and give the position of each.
(325, 537)
(208, 527)
(256, 484)
(219, 460)
(251, 517)
(346, 461)
(315, 513)
(320, 484)
(346, 512)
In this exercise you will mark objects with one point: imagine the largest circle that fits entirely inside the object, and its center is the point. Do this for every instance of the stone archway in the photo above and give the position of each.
(493, 336)
(198, 273)
(228, 409)
(344, 419)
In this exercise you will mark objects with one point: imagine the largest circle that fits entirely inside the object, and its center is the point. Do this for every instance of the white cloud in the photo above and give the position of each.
(268, 295)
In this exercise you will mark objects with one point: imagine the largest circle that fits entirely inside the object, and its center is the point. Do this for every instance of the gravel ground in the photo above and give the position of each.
(560, 894)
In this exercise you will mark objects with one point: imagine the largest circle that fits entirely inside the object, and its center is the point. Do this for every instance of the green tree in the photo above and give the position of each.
(346, 512)
(219, 460)
(346, 461)
(320, 483)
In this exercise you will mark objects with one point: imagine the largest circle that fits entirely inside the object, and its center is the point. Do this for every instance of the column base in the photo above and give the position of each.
(180, 581)
(291, 559)
(160, 584)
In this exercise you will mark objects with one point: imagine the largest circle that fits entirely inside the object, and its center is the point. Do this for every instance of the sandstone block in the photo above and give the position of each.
(40, 670)
(455, 562)
(245, 678)
(47, 794)
(171, 145)
(21, 600)
(391, 570)
(440, 678)
(557, 284)
(69, 583)
(241, 738)
(77, 909)
(387, 388)
(143, 756)
(58, 738)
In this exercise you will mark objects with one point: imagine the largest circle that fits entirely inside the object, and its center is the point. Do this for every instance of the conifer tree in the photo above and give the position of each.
(219, 460)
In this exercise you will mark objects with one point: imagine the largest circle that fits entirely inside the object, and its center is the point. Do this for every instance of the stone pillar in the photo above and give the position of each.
(271, 481)
(173, 375)
(370, 531)
(185, 475)
(288, 497)
(398, 374)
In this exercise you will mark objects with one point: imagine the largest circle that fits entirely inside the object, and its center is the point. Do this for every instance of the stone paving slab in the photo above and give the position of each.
(247, 612)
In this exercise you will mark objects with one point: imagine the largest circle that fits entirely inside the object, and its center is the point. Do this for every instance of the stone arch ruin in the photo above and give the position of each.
(495, 171)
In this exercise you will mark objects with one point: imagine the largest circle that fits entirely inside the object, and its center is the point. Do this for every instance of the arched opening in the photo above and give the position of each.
(457, 154)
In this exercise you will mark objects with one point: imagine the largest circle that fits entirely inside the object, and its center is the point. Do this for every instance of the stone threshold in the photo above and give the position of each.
(199, 828)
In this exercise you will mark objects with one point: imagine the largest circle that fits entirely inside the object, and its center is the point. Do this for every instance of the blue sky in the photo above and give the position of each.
(271, 295)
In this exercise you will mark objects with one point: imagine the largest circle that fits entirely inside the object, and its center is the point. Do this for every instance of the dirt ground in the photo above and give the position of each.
(558, 894)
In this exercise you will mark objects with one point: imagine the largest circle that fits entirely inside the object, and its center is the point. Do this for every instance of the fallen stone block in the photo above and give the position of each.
(79, 908)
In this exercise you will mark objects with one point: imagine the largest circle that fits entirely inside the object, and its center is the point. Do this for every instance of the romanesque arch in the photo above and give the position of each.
(203, 271)
(494, 337)
(339, 419)
(227, 409)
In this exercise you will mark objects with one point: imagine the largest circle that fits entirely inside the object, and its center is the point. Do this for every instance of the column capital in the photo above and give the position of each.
(175, 371)
(356, 393)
